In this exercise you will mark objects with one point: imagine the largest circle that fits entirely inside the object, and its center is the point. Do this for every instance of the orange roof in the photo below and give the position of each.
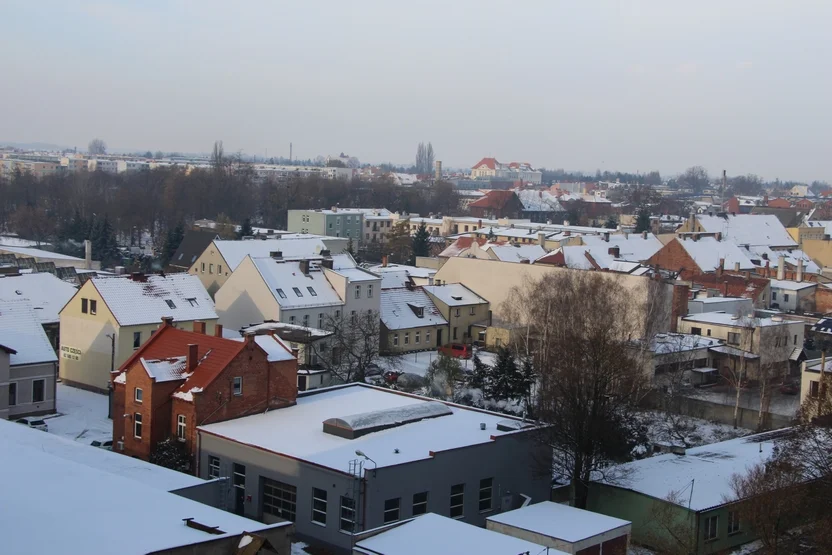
(490, 162)
(493, 199)
(779, 203)
(215, 353)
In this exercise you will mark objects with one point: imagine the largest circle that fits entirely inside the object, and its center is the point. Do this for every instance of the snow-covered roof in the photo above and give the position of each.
(454, 294)
(707, 470)
(391, 280)
(725, 319)
(760, 254)
(47, 293)
(21, 330)
(440, 535)
(633, 247)
(414, 271)
(12, 241)
(301, 434)
(399, 309)
(278, 326)
(707, 252)
(74, 488)
(165, 370)
(790, 285)
(356, 274)
(664, 343)
(39, 253)
(515, 253)
(146, 300)
(292, 288)
(538, 201)
(559, 521)
(100, 460)
(276, 349)
(748, 229)
(235, 251)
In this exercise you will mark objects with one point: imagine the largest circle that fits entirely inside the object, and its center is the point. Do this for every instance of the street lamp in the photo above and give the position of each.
(361, 454)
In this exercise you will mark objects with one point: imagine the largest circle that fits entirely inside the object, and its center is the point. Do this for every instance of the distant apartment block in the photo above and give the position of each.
(336, 222)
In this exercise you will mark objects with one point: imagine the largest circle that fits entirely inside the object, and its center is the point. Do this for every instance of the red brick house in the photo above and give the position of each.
(179, 380)
(779, 203)
(497, 204)
(804, 204)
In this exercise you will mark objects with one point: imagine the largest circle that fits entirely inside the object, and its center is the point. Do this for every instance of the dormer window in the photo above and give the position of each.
(418, 310)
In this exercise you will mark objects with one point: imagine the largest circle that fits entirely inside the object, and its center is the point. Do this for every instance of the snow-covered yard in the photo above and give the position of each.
(417, 363)
(81, 416)
(686, 431)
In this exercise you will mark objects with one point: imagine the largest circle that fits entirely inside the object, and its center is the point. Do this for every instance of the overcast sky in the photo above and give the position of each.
(743, 85)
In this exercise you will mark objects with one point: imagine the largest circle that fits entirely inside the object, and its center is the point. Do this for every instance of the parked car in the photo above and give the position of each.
(457, 350)
(391, 376)
(34, 422)
(108, 445)
(373, 369)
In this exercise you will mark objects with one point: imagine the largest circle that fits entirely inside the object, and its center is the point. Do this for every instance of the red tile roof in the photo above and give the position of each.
(779, 203)
(490, 162)
(215, 353)
(462, 244)
(493, 199)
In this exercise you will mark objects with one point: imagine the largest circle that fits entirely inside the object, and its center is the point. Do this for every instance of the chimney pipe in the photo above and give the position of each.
(781, 267)
(721, 267)
(799, 269)
(88, 254)
(607, 236)
(644, 235)
(541, 238)
(384, 261)
(614, 251)
(692, 222)
(737, 267)
(167, 321)
(193, 356)
(217, 330)
(304, 267)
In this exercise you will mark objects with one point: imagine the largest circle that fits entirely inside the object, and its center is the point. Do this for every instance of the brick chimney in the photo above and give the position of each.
(166, 321)
(721, 267)
(679, 304)
(199, 327)
(615, 252)
(384, 261)
(217, 330)
(138, 276)
(304, 267)
(193, 357)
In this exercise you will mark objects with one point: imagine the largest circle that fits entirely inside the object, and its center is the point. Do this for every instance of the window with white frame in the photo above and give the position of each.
(213, 467)
(407, 338)
(391, 510)
(733, 522)
(420, 503)
(347, 520)
(711, 528)
(427, 336)
(416, 337)
(238, 385)
(357, 291)
(137, 395)
(369, 290)
(395, 339)
(180, 427)
(457, 501)
(279, 499)
(137, 425)
(319, 506)
(472, 310)
(486, 488)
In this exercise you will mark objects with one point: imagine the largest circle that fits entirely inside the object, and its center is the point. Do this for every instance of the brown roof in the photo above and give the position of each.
(493, 199)
(732, 285)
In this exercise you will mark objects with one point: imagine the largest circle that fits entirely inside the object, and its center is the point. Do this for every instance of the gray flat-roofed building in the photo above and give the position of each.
(352, 458)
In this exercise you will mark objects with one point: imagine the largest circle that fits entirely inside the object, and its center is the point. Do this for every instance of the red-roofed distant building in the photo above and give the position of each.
(179, 380)
(497, 204)
(779, 203)
(491, 169)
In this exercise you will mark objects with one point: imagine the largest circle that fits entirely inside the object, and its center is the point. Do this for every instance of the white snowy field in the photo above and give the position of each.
(417, 363)
(81, 415)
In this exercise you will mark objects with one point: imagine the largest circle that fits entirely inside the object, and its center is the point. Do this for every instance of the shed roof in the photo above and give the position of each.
(21, 331)
(559, 521)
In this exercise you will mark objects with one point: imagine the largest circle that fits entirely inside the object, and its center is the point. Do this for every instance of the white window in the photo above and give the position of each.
(137, 395)
(407, 338)
(347, 520)
(391, 510)
(213, 467)
(733, 522)
(457, 501)
(427, 336)
(370, 291)
(137, 425)
(395, 339)
(486, 488)
(180, 427)
(292, 319)
(472, 310)
(210, 268)
(711, 528)
(456, 312)
(238, 385)
(416, 338)
(357, 291)
(319, 506)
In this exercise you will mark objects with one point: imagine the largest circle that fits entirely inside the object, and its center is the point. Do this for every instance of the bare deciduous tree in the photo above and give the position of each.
(590, 380)
(97, 146)
(353, 346)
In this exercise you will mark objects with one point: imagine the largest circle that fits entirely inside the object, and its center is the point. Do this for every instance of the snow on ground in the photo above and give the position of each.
(417, 363)
(638, 550)
(686, 431)
(82, 415)
(299, 548)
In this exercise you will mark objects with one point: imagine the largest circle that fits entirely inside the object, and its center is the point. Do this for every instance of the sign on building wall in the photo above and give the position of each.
(70, 353)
